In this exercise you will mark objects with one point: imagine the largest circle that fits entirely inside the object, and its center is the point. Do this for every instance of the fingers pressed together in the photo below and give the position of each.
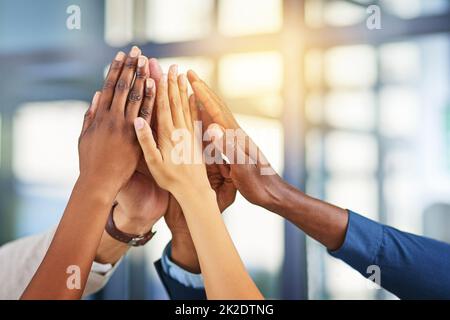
(158, 104)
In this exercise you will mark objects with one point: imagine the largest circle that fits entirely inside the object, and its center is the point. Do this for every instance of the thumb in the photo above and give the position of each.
(90, 113)
(216, 134)
(147, 141)
(226, 144)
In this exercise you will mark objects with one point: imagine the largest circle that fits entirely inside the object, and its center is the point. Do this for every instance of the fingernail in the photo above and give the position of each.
(134, 52)
(149, 84)
(164, 78)
(173, 72)
(96, 97)
(138, 123)
(119, 56)
(141, 62)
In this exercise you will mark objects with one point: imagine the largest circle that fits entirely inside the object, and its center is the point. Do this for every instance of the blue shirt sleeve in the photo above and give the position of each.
(411, 266)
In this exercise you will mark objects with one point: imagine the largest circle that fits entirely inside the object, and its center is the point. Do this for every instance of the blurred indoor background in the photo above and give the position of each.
(357, 117)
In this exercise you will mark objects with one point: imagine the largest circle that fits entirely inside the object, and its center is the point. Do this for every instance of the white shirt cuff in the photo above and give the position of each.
(101, 268)
(99, 276)
(174, 271)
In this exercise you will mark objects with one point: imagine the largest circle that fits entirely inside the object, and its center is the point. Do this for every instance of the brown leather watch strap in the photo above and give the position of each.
(129, 239)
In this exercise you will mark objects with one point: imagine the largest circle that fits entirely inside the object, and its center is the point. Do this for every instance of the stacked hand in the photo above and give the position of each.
(143, 145)
(109, 155)
(252, 175)
(111, 168)
(172, 100)
(183, 173)
(127, 93)
(108, 152)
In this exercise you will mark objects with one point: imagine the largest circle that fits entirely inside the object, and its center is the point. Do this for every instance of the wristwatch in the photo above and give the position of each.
(130, 239)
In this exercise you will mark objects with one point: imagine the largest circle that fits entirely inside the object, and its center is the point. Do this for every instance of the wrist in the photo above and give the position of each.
(279, 195)
(191, 193)
(128, 224)
(97, 189)
(191, 189)
(110, 250)
(274, 194)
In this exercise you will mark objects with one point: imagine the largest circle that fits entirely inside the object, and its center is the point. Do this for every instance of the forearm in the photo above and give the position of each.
(223, 271)
(110, 250)
(320, 220)
(74, 244)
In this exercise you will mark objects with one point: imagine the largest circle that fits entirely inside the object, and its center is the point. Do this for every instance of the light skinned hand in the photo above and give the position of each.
(174, 116)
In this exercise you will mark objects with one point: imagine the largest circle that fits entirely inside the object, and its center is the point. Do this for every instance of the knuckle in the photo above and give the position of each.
(130, 63)
(122, 85)
(135, 96)
(109, 84)
(88, 114)
(140, 74)
(145, 112)
(116, 65)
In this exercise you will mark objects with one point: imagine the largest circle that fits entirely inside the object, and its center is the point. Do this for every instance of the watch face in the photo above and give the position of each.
(132, 242)
(135, 241)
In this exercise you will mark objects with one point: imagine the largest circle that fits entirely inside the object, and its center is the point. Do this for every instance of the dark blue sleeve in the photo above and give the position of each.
(177, 290)
(412, 267)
